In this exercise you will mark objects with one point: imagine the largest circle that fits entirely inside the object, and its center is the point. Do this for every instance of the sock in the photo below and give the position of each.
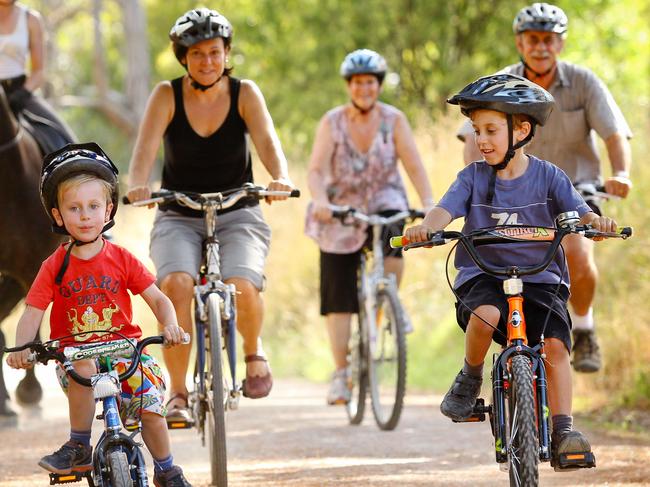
(583, 322)
(82, 437)
(473, 370)
(562, 424)
(164, 464)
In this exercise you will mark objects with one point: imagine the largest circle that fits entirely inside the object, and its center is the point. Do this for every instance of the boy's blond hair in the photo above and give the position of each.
(79, 179)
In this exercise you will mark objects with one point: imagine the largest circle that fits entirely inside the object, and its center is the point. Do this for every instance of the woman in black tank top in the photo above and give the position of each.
(204, 119)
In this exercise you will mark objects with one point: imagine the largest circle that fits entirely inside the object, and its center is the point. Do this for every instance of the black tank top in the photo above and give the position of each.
(210, 164)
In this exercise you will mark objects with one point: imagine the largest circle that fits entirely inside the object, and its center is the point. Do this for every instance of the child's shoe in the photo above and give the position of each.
(71, 456)
(571, 451)
(459, 402)
(171, 478)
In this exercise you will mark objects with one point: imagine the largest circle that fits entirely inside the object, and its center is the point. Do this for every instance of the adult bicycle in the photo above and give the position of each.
(117, 459)
(519, 412)
(377, 349)
(214, 390)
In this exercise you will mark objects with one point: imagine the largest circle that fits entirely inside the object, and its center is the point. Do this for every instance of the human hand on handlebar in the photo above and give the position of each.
(600, 223)
(137, 193)
(418, 233)
(279, 184)
(20, 360)
(175, 335)
(618, 186)
(321, 210)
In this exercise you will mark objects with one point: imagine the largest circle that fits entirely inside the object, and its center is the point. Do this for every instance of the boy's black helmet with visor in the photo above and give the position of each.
(364, 61)
(69, 161)
(542, 17)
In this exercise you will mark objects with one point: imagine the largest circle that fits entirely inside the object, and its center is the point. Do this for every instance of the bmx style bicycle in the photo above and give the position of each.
(117, 458)
(377, 350)
(214, 391)
(519, 412)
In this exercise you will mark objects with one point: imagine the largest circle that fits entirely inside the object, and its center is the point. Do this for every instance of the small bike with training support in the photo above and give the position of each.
(519, 412)
(214, 391)
(377, 350)
(117, 459)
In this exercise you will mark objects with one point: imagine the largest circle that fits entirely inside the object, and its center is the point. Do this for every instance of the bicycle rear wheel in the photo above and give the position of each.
(387, 361)
(118, 469)
(216, 399)
(522, 443)
(358, 371)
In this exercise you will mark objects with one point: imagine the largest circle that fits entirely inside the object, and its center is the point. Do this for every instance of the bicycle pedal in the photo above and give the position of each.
(574, 461)
(180, 425)
(478, 413)
(72, 477)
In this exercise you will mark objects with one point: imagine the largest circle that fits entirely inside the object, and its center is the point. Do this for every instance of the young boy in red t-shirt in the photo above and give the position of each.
(87, 280)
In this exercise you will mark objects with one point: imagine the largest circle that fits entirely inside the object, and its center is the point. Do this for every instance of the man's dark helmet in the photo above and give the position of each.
(506, 93)
(363, 61)
(69, 161)
(541, 17)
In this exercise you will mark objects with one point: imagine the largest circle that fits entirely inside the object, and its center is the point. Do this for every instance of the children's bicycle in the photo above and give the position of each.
(117, 458)
(377, 350)
(214, 391)
(519, 413)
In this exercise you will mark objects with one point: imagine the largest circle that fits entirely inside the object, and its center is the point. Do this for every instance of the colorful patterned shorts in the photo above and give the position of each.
(144, 389)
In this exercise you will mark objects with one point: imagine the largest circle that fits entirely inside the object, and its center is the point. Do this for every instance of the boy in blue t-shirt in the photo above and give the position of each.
(510, 187)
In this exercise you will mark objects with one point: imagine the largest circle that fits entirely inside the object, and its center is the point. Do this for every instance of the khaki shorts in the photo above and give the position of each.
(177, 244)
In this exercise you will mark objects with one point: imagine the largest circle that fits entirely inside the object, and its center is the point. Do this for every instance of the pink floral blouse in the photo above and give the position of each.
(368, 181)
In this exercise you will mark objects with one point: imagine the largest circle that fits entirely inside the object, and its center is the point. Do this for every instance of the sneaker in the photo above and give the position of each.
(586, 352)
(171, 478)
(72, 455)
(458, 403)
(570, 451)
(339, 392)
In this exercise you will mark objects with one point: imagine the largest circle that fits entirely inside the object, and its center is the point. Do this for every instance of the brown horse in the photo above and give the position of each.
(27, 239)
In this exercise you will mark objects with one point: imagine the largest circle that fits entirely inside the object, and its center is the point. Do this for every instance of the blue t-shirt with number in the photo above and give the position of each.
(534, 198)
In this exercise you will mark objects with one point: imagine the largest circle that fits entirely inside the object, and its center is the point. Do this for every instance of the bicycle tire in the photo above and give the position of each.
(522, 443)
(216, 399)
(387, 362)
(358, 371)
(119, 471)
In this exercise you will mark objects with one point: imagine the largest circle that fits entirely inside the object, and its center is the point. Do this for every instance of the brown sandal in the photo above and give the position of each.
(177, 414)
(255, 387)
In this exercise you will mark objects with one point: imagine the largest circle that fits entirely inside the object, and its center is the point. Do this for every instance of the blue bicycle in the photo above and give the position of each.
(117, 458)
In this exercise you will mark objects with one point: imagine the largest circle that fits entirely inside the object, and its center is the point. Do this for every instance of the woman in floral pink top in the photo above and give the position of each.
(354, 162)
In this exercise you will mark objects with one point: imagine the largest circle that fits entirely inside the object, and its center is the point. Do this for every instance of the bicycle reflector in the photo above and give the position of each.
(398, 242)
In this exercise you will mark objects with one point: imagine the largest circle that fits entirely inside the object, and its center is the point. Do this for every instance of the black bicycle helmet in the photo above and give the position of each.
(541, 17)
(363, 61)
(506, 93)
(198, 25)
(69, 161)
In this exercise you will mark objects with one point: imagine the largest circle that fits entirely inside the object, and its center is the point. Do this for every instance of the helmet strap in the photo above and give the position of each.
(537, 75)
(66, 260)
(508, 157)
(363, 111)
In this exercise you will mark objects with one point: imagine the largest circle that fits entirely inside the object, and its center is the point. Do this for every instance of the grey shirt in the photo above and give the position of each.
(583, 107)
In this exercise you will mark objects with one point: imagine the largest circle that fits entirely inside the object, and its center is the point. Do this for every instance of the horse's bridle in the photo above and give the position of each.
(9, 144)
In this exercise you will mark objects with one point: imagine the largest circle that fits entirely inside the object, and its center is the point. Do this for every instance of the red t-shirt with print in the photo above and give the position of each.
(93, 295)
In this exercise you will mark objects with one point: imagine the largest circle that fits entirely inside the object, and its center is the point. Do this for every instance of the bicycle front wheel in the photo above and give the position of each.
(387, 361)
(216, 398)
(357, 370)
(118, 469)
(521, 440)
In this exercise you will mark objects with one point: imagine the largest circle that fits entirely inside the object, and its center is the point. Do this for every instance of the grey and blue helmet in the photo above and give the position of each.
(363, 61)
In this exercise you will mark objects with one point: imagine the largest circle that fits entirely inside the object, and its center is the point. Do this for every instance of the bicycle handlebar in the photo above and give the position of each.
(508, 235)
(44, 352)
(345, 212)
(224, 199)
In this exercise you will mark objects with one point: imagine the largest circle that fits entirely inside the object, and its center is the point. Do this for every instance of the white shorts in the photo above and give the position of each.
(176, 244)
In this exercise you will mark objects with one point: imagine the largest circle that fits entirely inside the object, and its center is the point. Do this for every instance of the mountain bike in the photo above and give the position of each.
(377, 350)
(117, 458)
(214, 391)
(519, 412)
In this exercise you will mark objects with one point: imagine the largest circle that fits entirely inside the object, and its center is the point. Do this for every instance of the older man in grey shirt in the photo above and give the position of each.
(584, 107)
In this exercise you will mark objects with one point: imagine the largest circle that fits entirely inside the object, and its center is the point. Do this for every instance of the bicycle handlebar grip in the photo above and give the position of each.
(126, 200)
(626, 232)
(398, 242)
(295, 193)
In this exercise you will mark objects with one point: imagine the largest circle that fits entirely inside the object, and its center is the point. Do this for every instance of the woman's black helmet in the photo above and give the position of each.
(541, 17)
(364, 61)
(69, 161)
(506, 93)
